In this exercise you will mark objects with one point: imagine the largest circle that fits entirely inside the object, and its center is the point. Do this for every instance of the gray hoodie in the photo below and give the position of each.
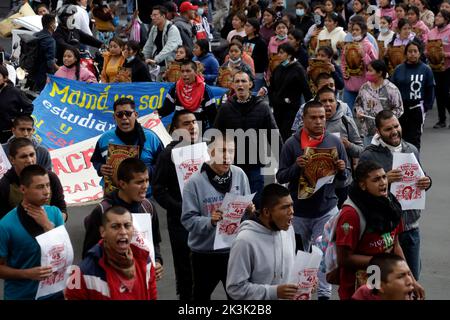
(260, 260)
(200, 199)
(42, 155)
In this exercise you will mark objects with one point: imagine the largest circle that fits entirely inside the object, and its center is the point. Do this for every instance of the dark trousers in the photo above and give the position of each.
(5, 135)
(411, 122)
(256, 182)
(284, 117)
(181, 258)
(442, 80)
(410, 243)
(208, 270)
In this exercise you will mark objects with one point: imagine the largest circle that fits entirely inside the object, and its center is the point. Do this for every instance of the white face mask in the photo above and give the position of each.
(357, 38)
(200, 11)
(235, 61)
(384, 30)
(300, 12)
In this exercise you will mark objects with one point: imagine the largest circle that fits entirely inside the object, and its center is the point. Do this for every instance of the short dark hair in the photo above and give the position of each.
(325, 90)
(129, 166)
(381, 116)
(162, 9)
(22, 118)
(387, 18)
(310, 105)
(254, 23)
(124, 101)
(322, 76)
(364, 168)
(27, 174)
(190, 63)
(241, 16)
(414, 43)
(286, 47)
(19, 143)
(401, 23)
(271, 195)
(379, 66)
(327, 50)
(297, 34)
(415, 10)
(114, 210)
(203, 44)
(177, 115)
(386, 262)
(47, 20)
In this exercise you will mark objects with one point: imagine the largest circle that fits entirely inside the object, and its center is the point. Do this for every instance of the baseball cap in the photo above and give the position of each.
(186, 6)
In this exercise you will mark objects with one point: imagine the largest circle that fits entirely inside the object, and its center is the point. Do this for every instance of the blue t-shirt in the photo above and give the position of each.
(22, 251)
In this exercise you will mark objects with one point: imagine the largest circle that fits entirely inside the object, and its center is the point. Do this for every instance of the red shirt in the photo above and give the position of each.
(371, 243)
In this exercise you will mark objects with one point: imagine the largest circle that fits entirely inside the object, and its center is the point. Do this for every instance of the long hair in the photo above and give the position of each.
(77, 56)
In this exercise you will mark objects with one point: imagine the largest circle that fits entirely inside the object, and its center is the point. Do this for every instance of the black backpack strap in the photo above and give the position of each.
(345, 122)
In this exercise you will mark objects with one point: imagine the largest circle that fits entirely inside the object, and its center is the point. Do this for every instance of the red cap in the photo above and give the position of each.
(186, 6)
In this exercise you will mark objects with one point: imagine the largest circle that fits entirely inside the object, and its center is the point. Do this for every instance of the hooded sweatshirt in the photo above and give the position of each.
(336, 35)
(42, 155)
(200, 199)
(211, 67)
(260, 260)
(325, 198)
(444, 35)
(69, 73)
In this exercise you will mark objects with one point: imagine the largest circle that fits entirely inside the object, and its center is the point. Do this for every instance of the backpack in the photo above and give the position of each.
(327, 242)
(29, 52)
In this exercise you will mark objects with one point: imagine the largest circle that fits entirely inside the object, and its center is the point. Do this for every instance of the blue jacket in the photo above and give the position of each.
(211, 67)
(45, 60)
(325, 198)
(151, 150)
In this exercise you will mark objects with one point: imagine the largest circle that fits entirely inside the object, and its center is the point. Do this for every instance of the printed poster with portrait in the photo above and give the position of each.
(320, 169)
(233, 208)
(406, 191)
(188, 160)
(56, 252)
(5, 165)
(116, 154)
(143, 234)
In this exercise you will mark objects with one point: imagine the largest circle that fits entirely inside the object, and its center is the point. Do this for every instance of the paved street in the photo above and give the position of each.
(435, 223)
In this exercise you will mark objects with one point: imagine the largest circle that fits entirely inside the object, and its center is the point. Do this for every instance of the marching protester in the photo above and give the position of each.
(72, 69)
(386, 142)
(134, 61)
(115, 269)
(295, 39)
(191, 93)
(304, 18)
(252, 115)
(184, 23)
(22, 154)
(332, 32)
(255, 269)
(128, 132)
(417, 25)
(20, 253)
(370, 204)
(13, 103)
(133, 182)
(415, 81)
(167, 192)
(202, 197)
(23, 127)
(207, 59)
(113, 60)
(313, 211)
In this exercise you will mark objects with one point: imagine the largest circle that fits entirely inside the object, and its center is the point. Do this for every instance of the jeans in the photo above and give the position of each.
(256, 182)
(310, 229)
(410, 243)
(258, 83)
(350, 97)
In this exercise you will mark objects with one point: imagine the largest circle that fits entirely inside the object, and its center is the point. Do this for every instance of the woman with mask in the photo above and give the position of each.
(287, 85)
(280, 37)
(134, 62)
(386, 34)
(235, 62)
(267, 29)
(13, 103)
(355, 76)
(377, 94)
(311, 41)
(304, 20)
(417, 25)
(332, 32)
(71, 68)
(442, 74)
(369, 223)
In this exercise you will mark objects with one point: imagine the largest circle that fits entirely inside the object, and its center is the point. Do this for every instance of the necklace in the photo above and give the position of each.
(244, 101)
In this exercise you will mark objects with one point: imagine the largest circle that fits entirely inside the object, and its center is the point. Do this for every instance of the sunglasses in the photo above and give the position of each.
(127, 114)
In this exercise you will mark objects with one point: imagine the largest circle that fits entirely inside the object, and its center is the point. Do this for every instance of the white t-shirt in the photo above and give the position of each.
(82, 20)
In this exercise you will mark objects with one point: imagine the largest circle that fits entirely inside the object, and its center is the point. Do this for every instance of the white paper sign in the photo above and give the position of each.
(188, 160)
(304, 272)
(337, 134)
(323, 181)
(143, 235)
(406, 191)
(5, 165)
(233, 208)
(57, 252)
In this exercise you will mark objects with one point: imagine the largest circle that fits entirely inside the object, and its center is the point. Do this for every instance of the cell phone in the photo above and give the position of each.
(2, 57)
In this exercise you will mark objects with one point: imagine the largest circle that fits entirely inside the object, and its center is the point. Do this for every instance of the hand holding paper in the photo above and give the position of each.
(216, 216)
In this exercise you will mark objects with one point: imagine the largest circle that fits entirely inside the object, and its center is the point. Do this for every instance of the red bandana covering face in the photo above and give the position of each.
(307, 141)
(190, 95)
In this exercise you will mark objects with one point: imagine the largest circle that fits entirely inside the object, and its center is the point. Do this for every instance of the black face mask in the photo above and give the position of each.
(279, 8)
(319, 20)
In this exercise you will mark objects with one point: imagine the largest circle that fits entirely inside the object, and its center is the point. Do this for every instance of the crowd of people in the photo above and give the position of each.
(356, 77)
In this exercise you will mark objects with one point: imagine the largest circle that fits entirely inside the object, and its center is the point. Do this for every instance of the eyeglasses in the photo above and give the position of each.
(127, 114)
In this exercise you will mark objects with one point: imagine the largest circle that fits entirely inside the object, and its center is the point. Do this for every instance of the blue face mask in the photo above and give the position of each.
(384, 30)
(285, 63)
(200, 11)
(300, 12)
(281, 37)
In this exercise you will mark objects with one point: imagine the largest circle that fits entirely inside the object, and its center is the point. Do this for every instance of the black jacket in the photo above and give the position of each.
(304, 23)
(93, 222)
(9, 200)
(139, 70)
(255, 114)
(13, 103)
(46, 59)
(287, 85)
(62, 37)
(166, 189)
(258, 50)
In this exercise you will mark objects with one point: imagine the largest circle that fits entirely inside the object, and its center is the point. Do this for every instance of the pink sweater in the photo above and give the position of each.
(423, 30)
(355, 82)
(389, 12)
(85, 74)
(444, 35)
